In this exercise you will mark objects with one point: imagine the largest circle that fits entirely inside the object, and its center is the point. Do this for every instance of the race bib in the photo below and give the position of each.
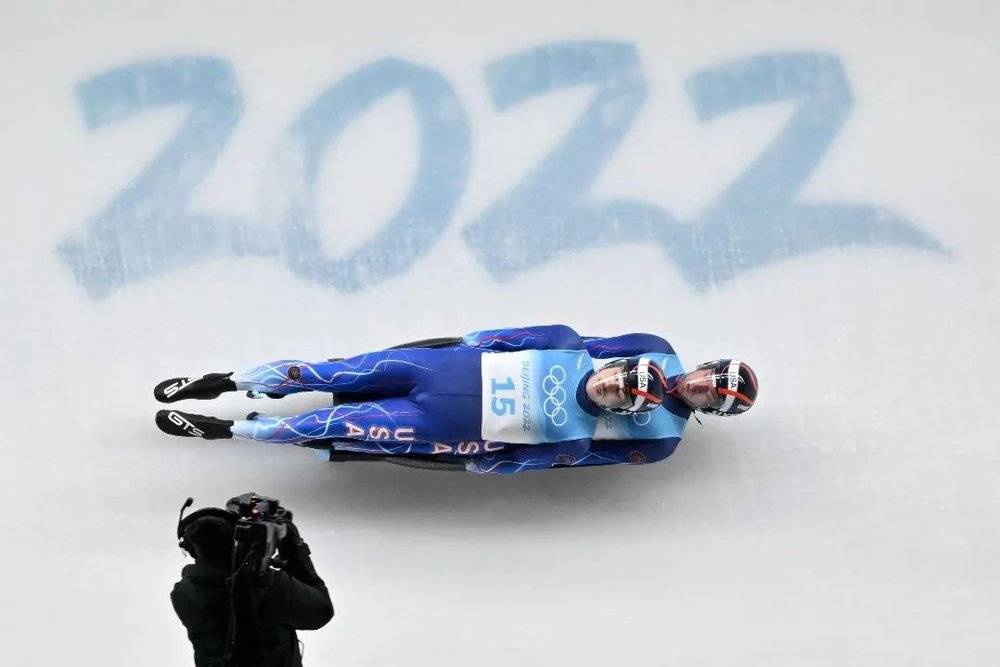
(529, 397)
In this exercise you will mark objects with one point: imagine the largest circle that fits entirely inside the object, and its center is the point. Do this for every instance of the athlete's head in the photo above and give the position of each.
(626, 386)
(724, 387)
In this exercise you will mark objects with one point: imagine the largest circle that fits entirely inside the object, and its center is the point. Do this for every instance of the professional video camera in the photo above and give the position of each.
(259, 525)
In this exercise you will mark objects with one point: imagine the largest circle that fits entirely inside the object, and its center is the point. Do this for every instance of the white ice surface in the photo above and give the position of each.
(850, 519)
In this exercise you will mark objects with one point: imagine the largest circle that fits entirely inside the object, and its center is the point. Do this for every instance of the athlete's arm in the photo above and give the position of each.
(519, 458)
(546, 337)
(627, 345)
(634, 452)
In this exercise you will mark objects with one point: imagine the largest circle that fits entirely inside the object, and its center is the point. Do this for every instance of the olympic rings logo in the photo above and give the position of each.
(642, 418)
(555, 395)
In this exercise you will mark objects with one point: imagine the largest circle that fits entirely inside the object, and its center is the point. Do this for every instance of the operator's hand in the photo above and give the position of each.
(295, 552)
(292, 543)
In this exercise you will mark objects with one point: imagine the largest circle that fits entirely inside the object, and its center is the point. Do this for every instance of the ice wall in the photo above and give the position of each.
(810, 187)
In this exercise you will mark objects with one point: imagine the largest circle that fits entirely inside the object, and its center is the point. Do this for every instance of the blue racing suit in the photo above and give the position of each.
(502, 400)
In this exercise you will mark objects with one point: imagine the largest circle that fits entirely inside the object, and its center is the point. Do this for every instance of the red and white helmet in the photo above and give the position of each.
(735, 386)
(642, 384)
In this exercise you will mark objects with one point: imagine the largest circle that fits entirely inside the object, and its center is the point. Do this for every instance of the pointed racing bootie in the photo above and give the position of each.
(203, 388)
(185, 424)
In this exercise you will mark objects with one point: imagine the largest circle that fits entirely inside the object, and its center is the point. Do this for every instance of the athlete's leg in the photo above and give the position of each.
(395, 448)
(529, 457)
(395, 420)
(382, 373)
(460, 450)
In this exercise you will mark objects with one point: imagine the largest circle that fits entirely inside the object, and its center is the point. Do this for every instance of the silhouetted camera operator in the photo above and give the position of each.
(241, 605)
